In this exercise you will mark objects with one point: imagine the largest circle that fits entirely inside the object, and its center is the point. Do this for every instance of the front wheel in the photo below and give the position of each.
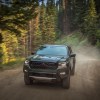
(66, 81)
(27, 80)
(73, 69)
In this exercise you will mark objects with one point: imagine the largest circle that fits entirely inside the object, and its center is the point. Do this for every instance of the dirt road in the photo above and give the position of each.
(85, 84)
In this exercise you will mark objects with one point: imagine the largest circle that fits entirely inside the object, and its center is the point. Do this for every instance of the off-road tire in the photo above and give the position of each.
(73, 70)
(66, 81)
(27, 79)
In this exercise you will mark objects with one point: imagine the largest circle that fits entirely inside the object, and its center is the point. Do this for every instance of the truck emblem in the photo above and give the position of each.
(44, 64)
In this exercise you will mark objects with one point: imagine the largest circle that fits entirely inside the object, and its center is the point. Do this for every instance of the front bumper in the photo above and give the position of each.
(46, 74)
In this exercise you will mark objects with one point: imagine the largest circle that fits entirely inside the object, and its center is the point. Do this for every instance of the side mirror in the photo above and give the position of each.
(73, 55)
(32, 53)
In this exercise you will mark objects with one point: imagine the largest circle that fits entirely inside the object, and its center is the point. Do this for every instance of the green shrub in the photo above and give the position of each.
(98, 38)
(98, 44)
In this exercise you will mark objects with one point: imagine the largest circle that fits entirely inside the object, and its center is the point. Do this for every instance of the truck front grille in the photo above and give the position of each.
(43, 65)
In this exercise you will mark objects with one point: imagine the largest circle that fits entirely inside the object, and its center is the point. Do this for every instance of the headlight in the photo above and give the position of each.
(26, 62)
(61, 65)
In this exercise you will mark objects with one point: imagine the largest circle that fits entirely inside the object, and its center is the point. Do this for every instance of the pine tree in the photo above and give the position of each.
(42, 22)
(75, 11)
(13, 29)
(90, 22)
(51, 21)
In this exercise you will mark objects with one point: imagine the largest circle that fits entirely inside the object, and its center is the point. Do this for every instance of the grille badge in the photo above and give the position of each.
(43, 64)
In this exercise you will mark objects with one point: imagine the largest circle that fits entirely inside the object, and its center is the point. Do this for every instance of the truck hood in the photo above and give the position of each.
(46, 58)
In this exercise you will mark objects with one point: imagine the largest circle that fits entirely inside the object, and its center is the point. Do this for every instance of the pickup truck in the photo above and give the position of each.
(52, 63)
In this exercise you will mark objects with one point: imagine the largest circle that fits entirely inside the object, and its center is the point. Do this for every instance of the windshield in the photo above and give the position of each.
(52, 50)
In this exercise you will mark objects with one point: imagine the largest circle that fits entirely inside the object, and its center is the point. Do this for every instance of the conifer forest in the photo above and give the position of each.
(27, 24)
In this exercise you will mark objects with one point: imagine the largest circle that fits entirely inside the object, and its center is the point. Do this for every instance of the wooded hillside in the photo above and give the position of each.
(26, 24)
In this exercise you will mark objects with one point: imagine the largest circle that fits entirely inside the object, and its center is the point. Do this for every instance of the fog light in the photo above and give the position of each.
(25, 70)
(62, 73)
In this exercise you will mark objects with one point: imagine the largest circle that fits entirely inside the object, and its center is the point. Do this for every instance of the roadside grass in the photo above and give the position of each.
(75, 40)
(13, 64)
